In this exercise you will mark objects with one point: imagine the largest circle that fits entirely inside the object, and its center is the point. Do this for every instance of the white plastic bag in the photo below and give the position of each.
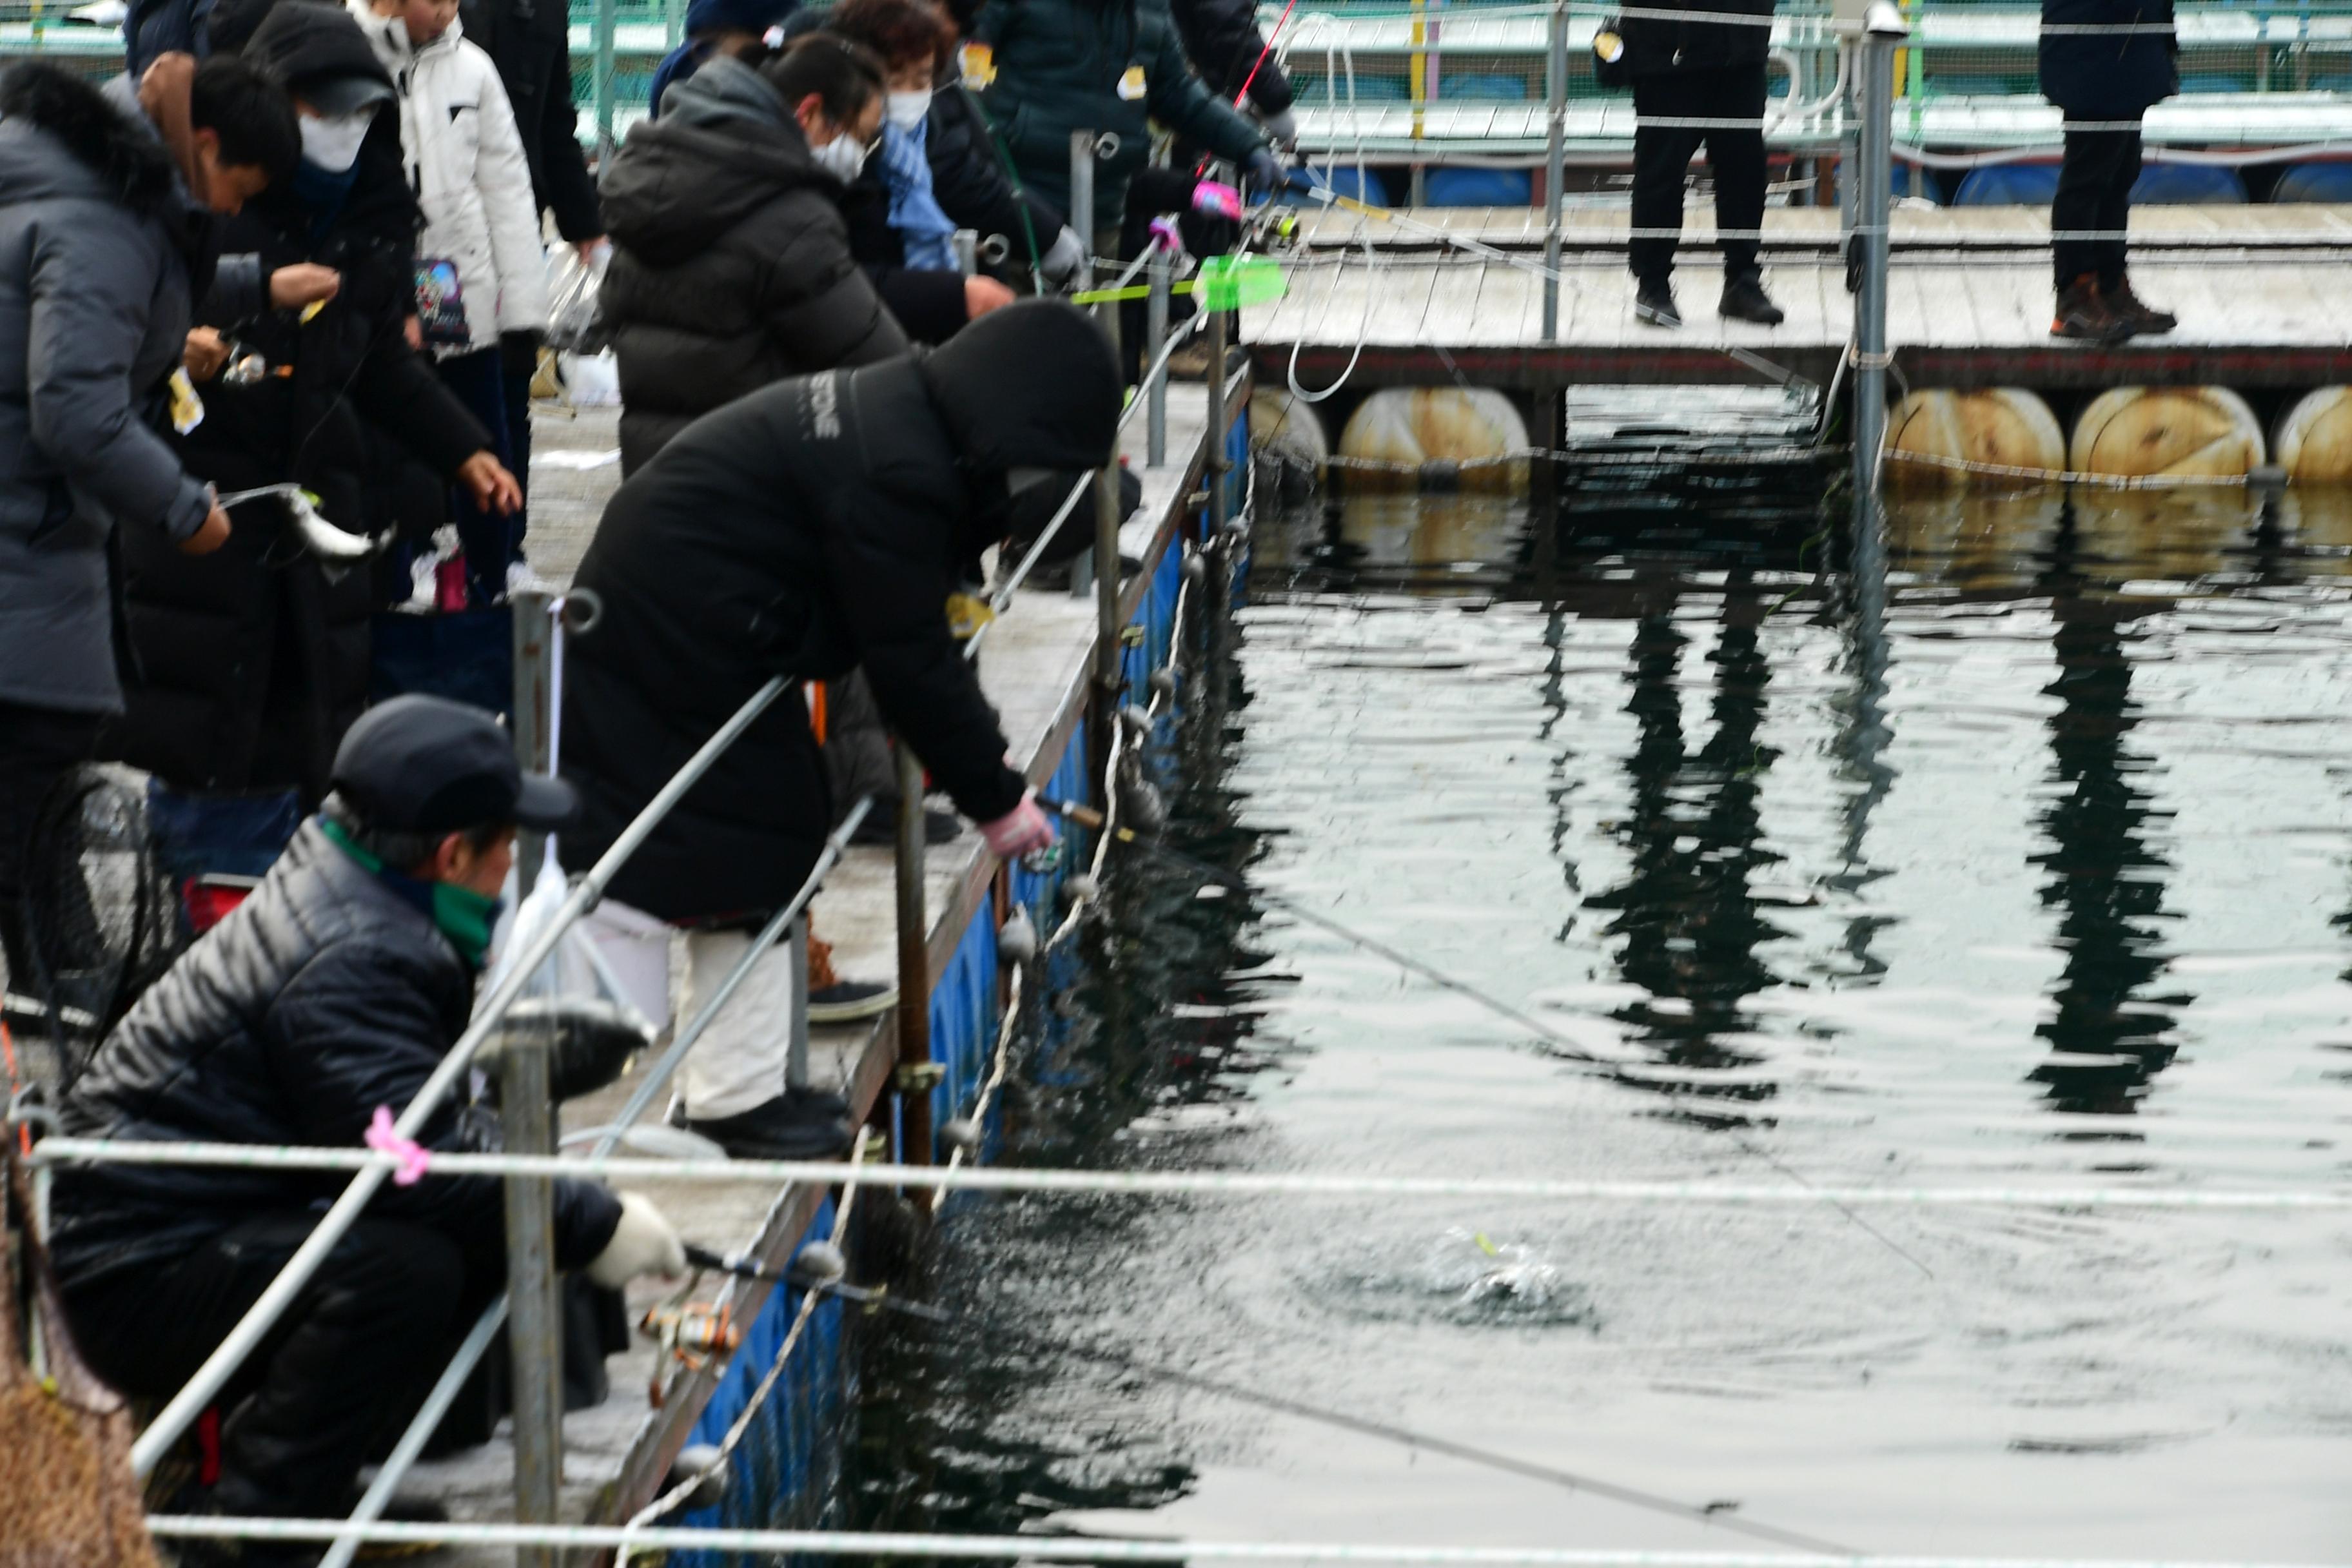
(571, 286)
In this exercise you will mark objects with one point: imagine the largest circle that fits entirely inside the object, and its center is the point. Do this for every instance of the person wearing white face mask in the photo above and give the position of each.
(898, 227)
(251, 667)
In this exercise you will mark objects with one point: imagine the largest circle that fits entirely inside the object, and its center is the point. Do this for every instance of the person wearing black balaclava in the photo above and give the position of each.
(254, 660)
(814, 525)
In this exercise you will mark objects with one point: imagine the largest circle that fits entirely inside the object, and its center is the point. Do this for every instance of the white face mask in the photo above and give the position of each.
(843, 157)
(905, 110)
(334, 145)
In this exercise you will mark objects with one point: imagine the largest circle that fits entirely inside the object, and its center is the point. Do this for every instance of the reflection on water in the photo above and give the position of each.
(2018, 850)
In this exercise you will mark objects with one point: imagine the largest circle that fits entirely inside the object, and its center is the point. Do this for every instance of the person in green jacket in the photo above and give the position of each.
(1046, 67)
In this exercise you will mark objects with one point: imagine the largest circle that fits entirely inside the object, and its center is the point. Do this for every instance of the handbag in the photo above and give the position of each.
(64, 1437)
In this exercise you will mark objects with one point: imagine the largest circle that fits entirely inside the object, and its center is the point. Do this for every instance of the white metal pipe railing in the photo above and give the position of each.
(176, 1416)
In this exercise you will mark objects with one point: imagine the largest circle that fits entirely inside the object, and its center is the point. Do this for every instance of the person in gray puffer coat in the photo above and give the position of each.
(102, 248)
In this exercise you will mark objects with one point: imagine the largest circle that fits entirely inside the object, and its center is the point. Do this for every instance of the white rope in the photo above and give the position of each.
(1099, 1549)
(2069, 476)
(1172, 1184)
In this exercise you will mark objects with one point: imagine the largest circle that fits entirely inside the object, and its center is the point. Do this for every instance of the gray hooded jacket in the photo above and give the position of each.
(93, 316)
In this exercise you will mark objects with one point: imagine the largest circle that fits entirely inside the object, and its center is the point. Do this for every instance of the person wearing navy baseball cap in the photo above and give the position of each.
(336, 988)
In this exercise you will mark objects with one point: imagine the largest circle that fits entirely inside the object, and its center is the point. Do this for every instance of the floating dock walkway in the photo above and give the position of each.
(2261, 293)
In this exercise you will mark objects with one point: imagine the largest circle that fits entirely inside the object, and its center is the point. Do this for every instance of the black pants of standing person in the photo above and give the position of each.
(1734, 156)
(2095, 186)
(347, 1364)
(37, 745)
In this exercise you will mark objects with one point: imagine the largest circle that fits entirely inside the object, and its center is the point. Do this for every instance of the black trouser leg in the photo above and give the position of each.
(517, 390)
(1662, 155)
(1735, 157)
(36, 746)
(2095, 186)
(355, 1355)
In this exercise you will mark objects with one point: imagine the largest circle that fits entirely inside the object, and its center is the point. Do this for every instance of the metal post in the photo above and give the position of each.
(1873, 175)
(534, 673)
(1213, 464)
(916, 1072)
(1555, 164)
(534, 1328)
(796, 1058)
(967, 251)
(1082, 201)
(1155, 339)
(608, 19)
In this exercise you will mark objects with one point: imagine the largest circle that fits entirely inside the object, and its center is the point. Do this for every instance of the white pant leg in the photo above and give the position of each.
(740, 1059)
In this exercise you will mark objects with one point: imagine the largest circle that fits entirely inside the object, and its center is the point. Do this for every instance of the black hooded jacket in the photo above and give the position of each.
(731, 262)
(323, 995)
(811, 527)
(251, 661)
(530, 41)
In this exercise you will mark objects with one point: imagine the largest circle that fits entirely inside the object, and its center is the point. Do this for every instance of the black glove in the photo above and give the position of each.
(518, 352)
(1263, 173)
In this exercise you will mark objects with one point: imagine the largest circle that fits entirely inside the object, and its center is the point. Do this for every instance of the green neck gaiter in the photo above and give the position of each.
(462, 915)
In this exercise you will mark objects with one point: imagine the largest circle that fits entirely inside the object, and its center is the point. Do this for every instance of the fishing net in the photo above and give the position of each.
(67, 1497)
(104, 919)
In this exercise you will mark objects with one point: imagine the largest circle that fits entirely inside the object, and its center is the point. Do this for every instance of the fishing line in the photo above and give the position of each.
(1469, 1453)
(1086, 817)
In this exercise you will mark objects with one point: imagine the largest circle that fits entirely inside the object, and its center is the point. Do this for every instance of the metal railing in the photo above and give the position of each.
(531, 1163)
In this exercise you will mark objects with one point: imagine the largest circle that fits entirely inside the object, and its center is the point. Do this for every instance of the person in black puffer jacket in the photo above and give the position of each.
(336, 988)
(2105, 78)
(731, 262)
(253, 662)
(1683, 70)
(814, 525)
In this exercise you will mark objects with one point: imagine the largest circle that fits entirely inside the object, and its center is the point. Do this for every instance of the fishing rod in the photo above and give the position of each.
(1086, 817)
(818, 1275)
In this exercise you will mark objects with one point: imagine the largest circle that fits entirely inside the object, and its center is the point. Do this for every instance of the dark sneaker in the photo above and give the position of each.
(848, 1001)
(881, 827)
(1744, 299)
(2084, 316)
(1653, 302)
(801, 1124)
(2135, 312)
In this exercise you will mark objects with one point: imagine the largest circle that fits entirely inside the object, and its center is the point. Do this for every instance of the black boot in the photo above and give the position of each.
(1653, 302)
(1744, 299)
(2083, 315)
(2135, 313)
(798, 1124)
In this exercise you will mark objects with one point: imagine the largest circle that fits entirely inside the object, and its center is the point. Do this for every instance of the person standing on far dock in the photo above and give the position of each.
(2103, 64)
(1697, 82)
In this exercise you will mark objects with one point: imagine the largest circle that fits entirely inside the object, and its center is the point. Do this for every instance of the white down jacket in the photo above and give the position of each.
(466, 165)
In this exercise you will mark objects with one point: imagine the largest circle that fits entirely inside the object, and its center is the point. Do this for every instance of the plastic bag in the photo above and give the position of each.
(572, 284)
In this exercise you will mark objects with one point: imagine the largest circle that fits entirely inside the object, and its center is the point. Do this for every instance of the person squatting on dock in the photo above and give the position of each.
(105, 206)
(818, 524)
(1706, 81)
(2105, 63)
(336, 988)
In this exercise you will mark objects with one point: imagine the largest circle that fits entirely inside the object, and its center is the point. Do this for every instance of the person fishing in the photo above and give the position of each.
(2105, 63)
(335, 989)
(817, 524)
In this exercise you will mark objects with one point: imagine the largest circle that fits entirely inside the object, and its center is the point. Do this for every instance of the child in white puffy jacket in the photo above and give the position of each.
(482, 279)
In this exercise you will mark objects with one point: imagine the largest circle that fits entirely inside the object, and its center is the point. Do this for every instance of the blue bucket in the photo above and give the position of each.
(2007, 185)
(1480, 188)
(2314, 183)
(2187, 186)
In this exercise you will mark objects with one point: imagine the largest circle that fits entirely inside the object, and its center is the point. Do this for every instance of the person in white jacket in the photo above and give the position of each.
(482, 277)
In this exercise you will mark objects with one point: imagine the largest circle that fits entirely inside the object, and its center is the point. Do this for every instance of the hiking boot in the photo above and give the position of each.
(2084, 316)
(798, 1124)
(2135, 312)
(1744, 299)
(1653, 302)
(848, 1001)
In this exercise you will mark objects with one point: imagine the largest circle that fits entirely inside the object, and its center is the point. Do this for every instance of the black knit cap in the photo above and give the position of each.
(426, 765)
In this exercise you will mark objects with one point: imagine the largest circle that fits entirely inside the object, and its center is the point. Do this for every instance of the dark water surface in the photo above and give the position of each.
(2040, 872)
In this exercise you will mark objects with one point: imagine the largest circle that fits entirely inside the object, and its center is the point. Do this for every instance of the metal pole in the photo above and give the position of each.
(534, 1327)
(1155, 339)
(1107, 517)
(534, 672)
(608, 19)
(1555, 166)
(1213, 464)
(967, 251)
(1082, 219)
(916, 1072)
(1874, 175)
(796, 1060)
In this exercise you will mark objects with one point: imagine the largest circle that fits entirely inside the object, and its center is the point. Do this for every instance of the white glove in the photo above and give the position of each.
(1062, 257)
(1281, 128)
(642, 1243)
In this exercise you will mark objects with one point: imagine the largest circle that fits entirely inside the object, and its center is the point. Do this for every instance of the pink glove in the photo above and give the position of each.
(1020, 831)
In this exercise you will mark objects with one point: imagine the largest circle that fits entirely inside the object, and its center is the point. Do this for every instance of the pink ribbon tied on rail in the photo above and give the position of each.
(1213, 199)
(385, 1139)
(1167, 236)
